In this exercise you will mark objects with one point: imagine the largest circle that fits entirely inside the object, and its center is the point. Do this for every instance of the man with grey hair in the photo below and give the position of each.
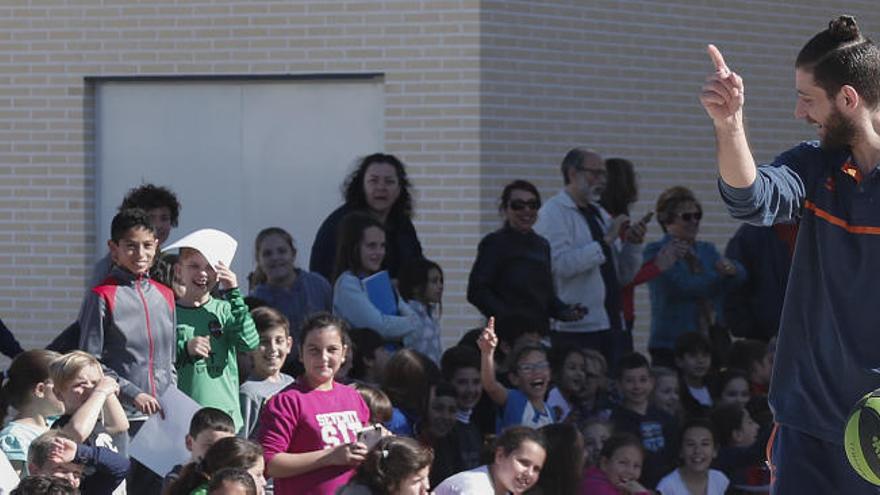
(592, 254)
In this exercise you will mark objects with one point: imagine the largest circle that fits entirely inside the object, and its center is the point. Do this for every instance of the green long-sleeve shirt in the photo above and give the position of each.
(213, 381)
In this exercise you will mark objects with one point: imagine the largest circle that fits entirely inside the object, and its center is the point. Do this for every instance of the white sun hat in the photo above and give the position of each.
(215, 245)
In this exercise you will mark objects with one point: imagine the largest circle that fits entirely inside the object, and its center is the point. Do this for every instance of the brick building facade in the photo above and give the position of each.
(477, 93)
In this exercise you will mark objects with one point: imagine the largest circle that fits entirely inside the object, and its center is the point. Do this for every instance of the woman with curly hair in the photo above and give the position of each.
(378, 186)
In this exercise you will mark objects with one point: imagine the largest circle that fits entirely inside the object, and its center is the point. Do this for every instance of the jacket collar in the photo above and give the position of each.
(126, 277)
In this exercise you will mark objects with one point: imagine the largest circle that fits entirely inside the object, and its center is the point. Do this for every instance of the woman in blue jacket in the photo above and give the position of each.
(685, 298)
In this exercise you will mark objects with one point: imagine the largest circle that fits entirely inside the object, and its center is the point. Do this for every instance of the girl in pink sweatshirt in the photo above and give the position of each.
(309, 430)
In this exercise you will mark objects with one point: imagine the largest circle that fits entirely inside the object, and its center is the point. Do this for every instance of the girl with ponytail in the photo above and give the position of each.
(395, 466)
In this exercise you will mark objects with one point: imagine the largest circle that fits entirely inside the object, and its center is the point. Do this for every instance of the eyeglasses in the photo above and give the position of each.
(519, 205)
(532, 367)
(687, 217)
(595, 172)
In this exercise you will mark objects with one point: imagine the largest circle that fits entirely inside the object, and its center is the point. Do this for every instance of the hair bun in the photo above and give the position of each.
(844, 29)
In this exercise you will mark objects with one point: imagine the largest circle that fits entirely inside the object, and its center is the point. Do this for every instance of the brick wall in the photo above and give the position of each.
(428, 51)
(477, 93)
(623, 77)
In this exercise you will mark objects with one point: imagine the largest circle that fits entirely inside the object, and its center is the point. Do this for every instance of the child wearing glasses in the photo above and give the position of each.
(529, 372)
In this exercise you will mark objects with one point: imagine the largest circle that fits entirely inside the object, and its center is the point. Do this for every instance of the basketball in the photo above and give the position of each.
(862, 438)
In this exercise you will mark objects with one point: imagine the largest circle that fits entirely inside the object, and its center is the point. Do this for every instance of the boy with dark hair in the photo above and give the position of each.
(44, 485)
(370, 355)
(636, 415)
(266, 377)
(826, 359)
(128, 323)
(206, 427)
(163, 210)
(693, 358)
(460, 367)
(753, 357)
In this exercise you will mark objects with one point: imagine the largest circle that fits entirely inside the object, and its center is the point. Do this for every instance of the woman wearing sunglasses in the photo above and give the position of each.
(687, 295)
(511, 276)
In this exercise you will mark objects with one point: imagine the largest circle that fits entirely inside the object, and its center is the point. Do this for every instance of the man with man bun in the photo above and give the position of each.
(828, 356)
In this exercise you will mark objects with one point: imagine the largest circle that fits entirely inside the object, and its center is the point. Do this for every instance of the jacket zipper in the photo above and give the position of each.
(149, 336)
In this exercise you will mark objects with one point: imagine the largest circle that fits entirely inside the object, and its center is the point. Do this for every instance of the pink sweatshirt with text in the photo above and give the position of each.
(300, 419)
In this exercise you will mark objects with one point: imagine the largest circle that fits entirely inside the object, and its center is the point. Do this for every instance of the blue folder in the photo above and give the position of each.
(381, 292)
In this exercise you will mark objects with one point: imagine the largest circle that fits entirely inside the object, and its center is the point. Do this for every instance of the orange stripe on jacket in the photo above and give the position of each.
(834, 220)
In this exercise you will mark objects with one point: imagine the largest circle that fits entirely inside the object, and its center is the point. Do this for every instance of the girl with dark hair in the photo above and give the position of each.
(280, 284)
(620, 465)
(421, 285)
(565, 446)
(229, 452)
(395, 466)
(309, 430)
(519, 456)
(378, 186)
(741, 449)
(620, 192)
(30, 391)
(361, 252)
(511, 277)
(407, 380)
(698, 450)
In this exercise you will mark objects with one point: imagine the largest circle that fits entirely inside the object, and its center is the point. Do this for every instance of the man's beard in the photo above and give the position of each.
(839, 131)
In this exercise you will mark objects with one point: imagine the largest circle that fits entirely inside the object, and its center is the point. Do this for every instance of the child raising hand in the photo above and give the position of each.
(529, 373)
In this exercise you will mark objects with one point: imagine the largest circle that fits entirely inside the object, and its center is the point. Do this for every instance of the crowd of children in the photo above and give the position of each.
(306, 389)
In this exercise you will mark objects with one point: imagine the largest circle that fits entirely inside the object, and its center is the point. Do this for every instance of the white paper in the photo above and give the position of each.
(8, 478)
(215, 245)
(161, 443)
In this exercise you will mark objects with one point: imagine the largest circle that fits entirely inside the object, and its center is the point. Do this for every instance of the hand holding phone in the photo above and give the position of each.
(370, 435)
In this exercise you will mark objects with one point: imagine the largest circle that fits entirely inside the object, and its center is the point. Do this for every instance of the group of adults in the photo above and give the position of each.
(566, 267)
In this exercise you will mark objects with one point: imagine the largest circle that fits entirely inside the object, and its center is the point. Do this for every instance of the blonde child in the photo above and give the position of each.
(92, 412)
(421, 285)
(309, 430)
(29, 390)
(698, 450)
(266, 378)
(210, 331)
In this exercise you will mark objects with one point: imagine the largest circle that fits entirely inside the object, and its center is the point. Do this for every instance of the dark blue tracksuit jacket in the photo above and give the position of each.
(829, 339)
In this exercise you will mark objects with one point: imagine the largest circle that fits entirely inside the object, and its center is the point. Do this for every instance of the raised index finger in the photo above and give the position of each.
(718, 59)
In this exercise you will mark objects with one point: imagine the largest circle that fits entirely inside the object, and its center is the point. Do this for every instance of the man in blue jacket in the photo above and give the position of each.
(828, 355)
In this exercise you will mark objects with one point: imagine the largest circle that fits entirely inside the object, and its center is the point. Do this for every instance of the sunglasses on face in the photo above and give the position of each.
(688, 217)
(519, 205)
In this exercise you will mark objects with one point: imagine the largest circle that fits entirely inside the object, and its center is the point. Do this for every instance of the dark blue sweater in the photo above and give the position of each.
(828, 354)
